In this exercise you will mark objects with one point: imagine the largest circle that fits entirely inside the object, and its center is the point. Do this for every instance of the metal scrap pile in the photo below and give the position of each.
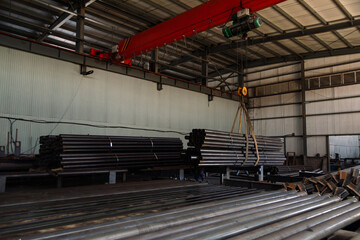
(342, 184)
(217, 148)
(79, 152)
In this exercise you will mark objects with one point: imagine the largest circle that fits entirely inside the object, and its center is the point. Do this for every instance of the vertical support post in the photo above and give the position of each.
(80, 23)
(124, 177)
(154, 66)
(328, 153)
(112, 177)
(303, 110)
(17, 148)
(261, 175)
(59, 181)
(181, 174)
(2, 183)
(204, 68)
(227, 175)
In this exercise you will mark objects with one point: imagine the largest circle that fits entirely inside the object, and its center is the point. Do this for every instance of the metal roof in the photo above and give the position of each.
(292, 30)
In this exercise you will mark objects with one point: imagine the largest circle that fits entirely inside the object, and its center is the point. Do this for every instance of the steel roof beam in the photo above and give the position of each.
(300, 33)
(344, 40)
(302, 45)
(324, 44)
(286, 48)
(287, 16)
(306, 32)
(269, 50)
(313, 12)
(255, 53)
(343, 9)
(291, 58)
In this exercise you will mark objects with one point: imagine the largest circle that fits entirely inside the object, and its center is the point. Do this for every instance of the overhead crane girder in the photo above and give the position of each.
(211, 14)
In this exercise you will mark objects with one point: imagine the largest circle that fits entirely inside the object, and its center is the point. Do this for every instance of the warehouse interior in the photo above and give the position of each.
(180, 119)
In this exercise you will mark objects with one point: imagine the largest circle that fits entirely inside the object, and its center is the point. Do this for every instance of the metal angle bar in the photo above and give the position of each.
(269, 50)
(286, 48)
(313, 12)
(302, 45)
(287, 16)
(255, 53)
(343, 9)
(324, 44)
(344, 40)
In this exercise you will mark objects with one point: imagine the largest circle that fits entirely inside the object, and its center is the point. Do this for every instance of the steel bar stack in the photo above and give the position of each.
(217, 148)
(261, 215)
(80, 152)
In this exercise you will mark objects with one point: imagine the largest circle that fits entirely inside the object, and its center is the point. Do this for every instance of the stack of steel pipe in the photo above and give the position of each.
(265, 215)
(218, 148)
(79, 152)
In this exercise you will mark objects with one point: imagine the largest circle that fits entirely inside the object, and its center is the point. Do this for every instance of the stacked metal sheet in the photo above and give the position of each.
(217, 148)
(79, 152)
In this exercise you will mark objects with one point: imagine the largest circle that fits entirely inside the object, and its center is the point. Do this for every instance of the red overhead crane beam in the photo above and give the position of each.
(206, 16)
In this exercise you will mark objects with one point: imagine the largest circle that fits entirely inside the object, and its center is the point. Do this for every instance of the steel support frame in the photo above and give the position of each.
(80, 27)
(22, 44)
(204, 68)
(303, 111)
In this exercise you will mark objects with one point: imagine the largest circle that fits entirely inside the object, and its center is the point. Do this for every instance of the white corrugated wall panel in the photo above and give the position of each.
(294, 144)
(346, 146)
(278, 127)
(38, 87)
(316, 145)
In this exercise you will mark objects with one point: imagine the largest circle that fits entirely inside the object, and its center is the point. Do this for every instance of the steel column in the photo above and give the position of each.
(155, 64)
(204, 68)
(80, 23)
(303, 110)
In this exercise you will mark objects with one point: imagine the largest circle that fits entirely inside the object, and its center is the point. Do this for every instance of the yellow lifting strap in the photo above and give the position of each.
(242, 109)
(248, 120)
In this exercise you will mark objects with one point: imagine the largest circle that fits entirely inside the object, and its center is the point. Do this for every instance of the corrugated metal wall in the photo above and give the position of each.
(332, 124)
(37, 87)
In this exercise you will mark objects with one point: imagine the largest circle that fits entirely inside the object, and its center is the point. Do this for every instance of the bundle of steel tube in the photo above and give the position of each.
(79, 152)
(218, 148)
(264, 215)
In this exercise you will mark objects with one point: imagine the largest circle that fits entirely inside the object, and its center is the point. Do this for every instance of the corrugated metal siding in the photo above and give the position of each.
(38, 87)
(316, 125)
(346, 146)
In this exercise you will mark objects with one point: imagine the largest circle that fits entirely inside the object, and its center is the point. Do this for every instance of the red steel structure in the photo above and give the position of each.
(206, 16)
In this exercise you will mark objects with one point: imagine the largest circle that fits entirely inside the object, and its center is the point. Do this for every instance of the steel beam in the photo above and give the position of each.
(288, 17)
(302, 45)
(343, 9)
(235, 44)
(204, 69)
(290, 58)
(324, 44)
(313, 12)
(80, 26)
(344, 40)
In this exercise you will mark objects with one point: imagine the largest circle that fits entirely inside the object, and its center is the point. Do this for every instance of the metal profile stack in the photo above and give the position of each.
(218, 148)
(79, 152)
